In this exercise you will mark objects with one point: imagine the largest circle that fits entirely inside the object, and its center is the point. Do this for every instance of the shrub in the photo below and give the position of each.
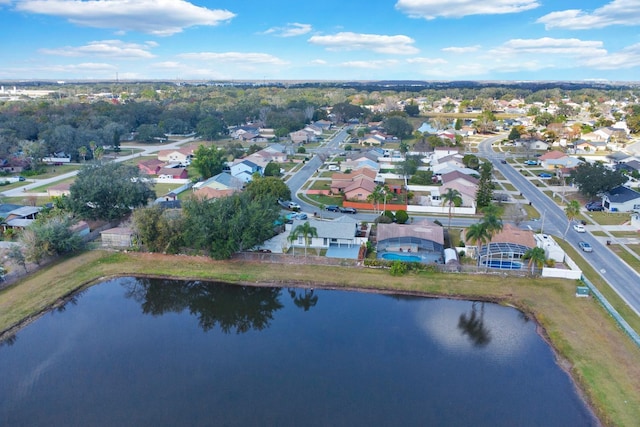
(398, 268)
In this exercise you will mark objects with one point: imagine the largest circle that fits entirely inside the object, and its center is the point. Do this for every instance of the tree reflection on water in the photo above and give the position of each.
(303, 298)
(230, 307)
(473, 326)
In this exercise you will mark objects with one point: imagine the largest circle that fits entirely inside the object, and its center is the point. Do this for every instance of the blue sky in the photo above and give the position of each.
(328, 40)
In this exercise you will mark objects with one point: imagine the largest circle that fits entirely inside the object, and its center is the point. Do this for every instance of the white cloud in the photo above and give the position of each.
(426, 61)
(319, 62)
(399, 44)
(618, 12)
(157, 17)
(431, 9)
(377, 64)
(290, 30)
(628, 57)
(236, 57)
(105, 48)
(551, 46)
(462, 49)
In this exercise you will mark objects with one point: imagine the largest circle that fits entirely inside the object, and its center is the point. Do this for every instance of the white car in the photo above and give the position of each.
(579, 228)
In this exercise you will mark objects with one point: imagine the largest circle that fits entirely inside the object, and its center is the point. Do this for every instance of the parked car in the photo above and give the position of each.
(594, 206)
(333, 208)
(348, 210)
(585, 246)
(545, 175)
(503, 161)
(579, 228)
(530, 162)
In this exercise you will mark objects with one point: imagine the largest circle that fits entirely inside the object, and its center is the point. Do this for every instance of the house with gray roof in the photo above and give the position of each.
(341, 232)
(422, 241)
(621, 199)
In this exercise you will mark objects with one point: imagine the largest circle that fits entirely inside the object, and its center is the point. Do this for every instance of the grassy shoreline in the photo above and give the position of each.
(603, 362)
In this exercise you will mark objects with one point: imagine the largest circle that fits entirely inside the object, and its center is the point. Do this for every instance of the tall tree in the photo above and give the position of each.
(306, 231)
(477, 235)
(536, 257)
(484, 193)
(208, 161)
(572, 210)
(491, 220)
(593, 179)
(108, 191)
(270, 187)
(49, 235)
(451, 198)
(229, 224)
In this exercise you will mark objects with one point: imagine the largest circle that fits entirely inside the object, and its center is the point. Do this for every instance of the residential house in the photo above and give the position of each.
(359, 189)
(621, 199)
(273, 153)
(181, 155)
(340, 181)
(244, 169)
(238, 131)
(466, 185)
(587, 146)
(173, 173)
(553, 160)
(151, 166)
(441, 152)
(506, 249)
(223, 184)
(341, 232)
(532, 144)
(422, 241)
(21, 217)
(301, 136)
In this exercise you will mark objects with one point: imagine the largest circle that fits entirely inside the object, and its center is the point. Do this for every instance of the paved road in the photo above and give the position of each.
(623, 279)
(146, 151)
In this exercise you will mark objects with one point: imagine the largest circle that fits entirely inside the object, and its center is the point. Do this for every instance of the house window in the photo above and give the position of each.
(299, 240)
(325, 242)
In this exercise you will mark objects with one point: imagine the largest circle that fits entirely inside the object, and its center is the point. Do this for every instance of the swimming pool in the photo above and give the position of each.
(504, 265)
(401, 257)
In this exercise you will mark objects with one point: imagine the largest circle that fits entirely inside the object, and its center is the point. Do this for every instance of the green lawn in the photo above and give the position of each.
(44, 188)
(508, 186)
(626, 256)
(320, 185)
(319, 199)
(606, 218)
(625, 233)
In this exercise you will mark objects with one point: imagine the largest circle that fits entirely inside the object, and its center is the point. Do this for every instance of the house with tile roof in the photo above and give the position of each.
(506, 249)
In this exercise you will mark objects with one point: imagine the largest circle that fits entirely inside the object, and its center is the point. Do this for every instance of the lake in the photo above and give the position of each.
(151, 352)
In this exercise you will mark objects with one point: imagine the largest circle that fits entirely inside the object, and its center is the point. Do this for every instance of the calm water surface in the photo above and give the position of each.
(140, 352)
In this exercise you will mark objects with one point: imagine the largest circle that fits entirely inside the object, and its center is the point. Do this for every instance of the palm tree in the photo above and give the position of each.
(477, 234)
(492, 222)
(379, 194)
(452, 198)
(536, 257)
(572, 210)
(83, 152)
(305, 230)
